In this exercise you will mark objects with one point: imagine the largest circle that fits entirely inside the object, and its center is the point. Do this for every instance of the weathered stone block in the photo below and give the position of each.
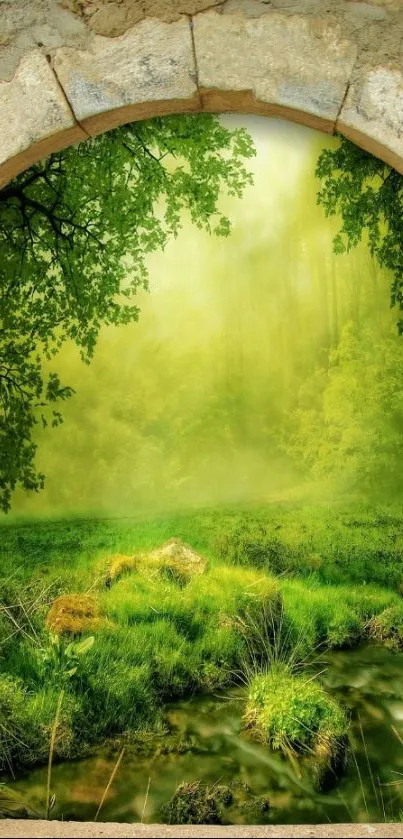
(35, 117)
(152, 63)
(372, 115)
(289, 61)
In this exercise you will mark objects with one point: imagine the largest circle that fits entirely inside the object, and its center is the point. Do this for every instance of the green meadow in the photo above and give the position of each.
(281, 581)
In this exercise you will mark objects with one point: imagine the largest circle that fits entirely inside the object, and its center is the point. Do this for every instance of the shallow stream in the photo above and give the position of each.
(209, 745)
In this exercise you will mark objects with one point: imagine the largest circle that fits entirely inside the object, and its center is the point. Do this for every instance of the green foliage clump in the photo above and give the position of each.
(387, 627)
(368, 195)
(26, 721)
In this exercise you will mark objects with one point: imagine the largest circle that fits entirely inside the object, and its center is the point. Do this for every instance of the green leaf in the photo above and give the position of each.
(84, 646)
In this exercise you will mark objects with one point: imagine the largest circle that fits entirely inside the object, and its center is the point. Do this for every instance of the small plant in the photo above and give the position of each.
(60, 661)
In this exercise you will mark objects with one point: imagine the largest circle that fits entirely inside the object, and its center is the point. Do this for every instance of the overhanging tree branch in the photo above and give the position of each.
(74, 235)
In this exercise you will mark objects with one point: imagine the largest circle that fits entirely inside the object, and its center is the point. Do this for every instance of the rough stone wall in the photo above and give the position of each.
(69, 68)
(375, 26)
(113, 17)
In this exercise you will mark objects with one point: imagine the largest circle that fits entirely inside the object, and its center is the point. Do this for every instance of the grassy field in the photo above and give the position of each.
(281, 581)
(335, 545)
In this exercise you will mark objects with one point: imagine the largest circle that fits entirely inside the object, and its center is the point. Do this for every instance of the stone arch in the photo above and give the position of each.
(75, 68)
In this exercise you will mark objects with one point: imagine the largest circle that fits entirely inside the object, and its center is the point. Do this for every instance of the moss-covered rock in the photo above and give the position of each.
(178, 559)
(195, 803)
(174, 560)
(387, 628)
(73, 614)
(295, 715)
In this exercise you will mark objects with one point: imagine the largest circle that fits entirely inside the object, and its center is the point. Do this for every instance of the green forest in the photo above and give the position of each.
(201, 417)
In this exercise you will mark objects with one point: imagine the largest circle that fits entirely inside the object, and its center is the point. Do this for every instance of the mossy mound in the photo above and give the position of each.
(73, 614)
(193, 803)
(295, 715)
(174, 560)
(387, 628)
(195, 638)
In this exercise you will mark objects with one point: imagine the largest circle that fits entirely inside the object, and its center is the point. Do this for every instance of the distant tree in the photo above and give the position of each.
(75, 231)
(368, 195)
(348, 425)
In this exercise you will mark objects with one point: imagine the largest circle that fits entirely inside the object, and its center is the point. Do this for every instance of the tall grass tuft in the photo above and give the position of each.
(50, 800)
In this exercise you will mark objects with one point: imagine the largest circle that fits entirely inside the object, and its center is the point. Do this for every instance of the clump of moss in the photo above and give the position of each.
(387, 628)
(73, 614)
(193, 803)
(295, 715)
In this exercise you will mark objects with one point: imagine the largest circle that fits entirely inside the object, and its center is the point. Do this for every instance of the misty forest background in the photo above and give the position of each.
(263, 366)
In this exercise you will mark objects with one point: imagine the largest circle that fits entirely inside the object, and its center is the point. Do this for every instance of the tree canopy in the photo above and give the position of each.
(368, 195)
(75, 232)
